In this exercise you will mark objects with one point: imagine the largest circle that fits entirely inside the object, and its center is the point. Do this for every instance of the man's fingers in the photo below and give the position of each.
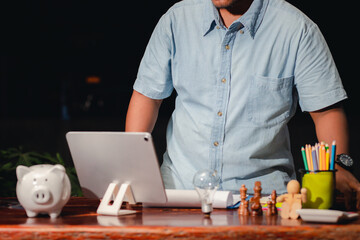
(357, 190)
(355, 187)
(348, 199)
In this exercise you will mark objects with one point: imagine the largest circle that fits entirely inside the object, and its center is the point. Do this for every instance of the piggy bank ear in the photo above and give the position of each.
(58, 169)
(21, 171)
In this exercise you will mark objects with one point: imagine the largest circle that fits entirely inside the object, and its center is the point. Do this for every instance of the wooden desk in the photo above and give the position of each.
(80, 221)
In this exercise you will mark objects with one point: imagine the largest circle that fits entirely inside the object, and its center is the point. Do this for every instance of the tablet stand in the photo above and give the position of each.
(119, 195)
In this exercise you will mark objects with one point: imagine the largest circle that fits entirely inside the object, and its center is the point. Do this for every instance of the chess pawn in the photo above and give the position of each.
(270, 205)
(272, 210)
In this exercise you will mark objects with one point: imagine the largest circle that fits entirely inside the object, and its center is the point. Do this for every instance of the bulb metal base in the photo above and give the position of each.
(206, 208)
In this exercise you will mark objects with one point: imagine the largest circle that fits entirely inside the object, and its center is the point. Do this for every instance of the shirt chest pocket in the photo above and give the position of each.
(270, 100)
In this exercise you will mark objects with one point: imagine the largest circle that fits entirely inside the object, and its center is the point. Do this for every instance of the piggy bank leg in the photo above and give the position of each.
(55, 214)
(31, 213)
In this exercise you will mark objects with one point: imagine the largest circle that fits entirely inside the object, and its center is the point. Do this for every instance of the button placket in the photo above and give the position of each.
(222, 98)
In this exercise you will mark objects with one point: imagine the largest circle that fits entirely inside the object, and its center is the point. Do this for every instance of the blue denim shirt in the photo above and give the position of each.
(236, 88)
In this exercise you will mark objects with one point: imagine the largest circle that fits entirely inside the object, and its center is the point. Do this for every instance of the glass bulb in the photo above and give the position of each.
(206, 183)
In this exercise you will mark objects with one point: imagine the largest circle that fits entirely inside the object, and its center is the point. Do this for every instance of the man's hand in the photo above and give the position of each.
(346, 183)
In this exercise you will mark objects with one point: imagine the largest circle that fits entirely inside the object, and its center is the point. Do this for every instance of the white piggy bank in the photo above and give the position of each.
(42, 188)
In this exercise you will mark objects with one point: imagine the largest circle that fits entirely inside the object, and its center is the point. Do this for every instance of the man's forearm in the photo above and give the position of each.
(142, 113)
(331, 124)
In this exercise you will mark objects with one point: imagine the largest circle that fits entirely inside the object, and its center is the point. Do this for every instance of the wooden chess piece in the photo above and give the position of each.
(256, 208)
(272, 210)
(244, 204)
(292, 201)
(269, 205)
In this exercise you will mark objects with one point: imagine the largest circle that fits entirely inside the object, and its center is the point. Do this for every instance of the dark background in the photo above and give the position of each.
(49, 48)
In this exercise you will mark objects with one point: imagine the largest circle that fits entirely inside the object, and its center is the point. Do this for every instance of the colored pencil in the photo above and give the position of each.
(323, 157)
(317, 154)
(327, 159)
(314, 158)
(304, 158)
(333, 153)
(320, 159)
(308, 158)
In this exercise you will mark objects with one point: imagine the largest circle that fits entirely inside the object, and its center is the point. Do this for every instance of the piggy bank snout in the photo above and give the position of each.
(41, 195)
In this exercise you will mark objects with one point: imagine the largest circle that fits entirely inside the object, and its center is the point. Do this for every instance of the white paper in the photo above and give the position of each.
(190, 198)
(325, 215)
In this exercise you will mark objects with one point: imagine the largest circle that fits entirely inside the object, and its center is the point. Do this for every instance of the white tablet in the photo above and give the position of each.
(102, 158)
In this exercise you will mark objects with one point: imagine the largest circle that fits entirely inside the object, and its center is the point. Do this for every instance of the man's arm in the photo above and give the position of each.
(142, 113)
(331, 124)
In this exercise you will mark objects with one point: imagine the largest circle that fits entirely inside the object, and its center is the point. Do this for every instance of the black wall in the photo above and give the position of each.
(48, 48)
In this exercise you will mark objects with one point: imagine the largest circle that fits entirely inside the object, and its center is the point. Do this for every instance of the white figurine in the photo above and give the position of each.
(42, 188)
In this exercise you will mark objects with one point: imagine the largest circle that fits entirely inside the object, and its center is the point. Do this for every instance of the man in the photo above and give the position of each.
(239, 68)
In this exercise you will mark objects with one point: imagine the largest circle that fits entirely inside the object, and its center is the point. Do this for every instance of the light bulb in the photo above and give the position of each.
(206, 183)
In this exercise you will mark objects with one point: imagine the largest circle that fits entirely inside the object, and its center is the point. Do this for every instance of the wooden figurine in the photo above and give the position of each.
(244, 204)
(292, 201)
(272, 210)
(256, 208)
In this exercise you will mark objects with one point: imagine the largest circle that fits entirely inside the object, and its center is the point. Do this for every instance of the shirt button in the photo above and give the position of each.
(227, 47)
(216, 143)
(241, 31)
(223, 80)
(217, 27)
(219, 114)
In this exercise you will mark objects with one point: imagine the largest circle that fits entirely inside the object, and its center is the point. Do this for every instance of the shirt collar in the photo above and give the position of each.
(211, 17)
(251, 19)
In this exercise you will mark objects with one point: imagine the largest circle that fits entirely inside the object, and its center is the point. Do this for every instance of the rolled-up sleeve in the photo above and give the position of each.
(154, 74)
(316, 77)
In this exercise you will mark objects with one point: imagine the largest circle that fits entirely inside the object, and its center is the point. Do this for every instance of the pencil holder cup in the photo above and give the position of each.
(320, 186)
